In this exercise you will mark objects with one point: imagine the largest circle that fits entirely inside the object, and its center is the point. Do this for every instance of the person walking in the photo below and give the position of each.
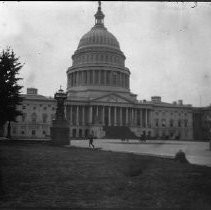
(91, 141)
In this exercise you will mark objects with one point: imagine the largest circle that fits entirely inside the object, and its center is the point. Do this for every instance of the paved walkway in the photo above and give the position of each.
(196, 152)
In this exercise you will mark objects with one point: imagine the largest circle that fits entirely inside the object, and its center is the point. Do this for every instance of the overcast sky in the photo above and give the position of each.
(167, 45)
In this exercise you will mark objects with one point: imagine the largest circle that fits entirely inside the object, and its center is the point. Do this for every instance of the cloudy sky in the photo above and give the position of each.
(167, 45)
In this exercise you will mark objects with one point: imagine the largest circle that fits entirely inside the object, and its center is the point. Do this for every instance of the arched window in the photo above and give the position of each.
(34, 117)
(91, 76)
(44, 118)
(163, 123)
(114, 78)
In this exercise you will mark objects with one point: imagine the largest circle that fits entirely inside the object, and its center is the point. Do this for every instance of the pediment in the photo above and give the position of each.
(112, 98)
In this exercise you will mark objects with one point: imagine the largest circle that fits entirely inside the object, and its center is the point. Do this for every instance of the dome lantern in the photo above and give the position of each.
(99, 16)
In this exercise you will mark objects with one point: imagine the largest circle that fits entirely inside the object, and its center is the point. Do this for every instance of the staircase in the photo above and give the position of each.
(118, 132)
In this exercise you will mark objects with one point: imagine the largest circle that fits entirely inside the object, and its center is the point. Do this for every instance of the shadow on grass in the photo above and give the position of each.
(36, 175)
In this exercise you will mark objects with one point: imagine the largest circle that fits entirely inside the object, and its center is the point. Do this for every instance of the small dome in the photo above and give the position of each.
(99, 36)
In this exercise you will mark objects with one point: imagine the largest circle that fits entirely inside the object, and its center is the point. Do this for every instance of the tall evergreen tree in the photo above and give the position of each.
(9, 88)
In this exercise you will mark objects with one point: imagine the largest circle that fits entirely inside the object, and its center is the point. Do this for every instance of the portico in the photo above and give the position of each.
(86, 116)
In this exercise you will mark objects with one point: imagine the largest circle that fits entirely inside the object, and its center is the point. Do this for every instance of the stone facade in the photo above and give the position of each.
(98, 89)
(38, 113)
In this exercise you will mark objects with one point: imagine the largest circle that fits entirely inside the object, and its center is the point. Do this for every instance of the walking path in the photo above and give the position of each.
(196, 152)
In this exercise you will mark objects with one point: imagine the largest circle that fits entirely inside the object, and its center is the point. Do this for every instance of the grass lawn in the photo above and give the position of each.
(39, 175)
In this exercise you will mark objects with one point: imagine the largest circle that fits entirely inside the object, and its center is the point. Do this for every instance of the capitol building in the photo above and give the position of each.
(100, 100)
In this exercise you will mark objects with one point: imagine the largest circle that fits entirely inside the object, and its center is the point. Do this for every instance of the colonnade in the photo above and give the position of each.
(98, 77)
(108, 116)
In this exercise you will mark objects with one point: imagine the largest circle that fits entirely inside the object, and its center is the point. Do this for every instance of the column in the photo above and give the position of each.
(76, 76)
(132, 116)
(146, 118)
(93, 77)
(99, 76)
(97, 114)
(88, 77)
(120, 79)
(111, 78)
(120, 117)
(105, 78)
(77, 115)
(82, 78)
(140, 117)
(109, 116)
(71, 115)
(126, 117)
(114, 116)
(124, 80)
(149, 118)
(90, 115)
(103, 115)
(83, 115)
(135, 117)
(79, 78)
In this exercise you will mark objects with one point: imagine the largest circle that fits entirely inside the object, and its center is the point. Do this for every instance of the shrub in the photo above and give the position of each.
(180, 157)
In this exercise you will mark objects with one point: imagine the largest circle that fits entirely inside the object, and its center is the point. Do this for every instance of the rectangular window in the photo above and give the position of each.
(186, 123)
(102, 77)
(108, 78)
(91, 77)
(96, 77)
(156, 122)
(85, 77)
(114, 78)
(171, 123)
